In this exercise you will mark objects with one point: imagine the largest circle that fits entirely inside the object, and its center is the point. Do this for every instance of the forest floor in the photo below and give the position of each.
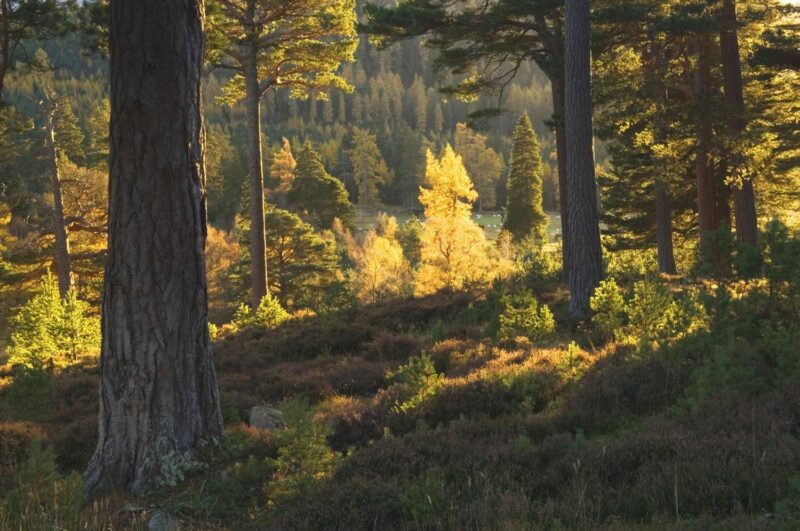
(410, 414)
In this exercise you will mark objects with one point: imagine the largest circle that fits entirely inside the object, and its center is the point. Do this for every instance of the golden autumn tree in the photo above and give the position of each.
(281, 173)
(381, 269)
(454, 252)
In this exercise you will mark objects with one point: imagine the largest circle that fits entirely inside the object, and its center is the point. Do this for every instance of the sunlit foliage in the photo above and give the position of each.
(50, 332)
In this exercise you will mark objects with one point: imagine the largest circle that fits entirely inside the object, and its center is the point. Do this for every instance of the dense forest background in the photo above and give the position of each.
(389, 328)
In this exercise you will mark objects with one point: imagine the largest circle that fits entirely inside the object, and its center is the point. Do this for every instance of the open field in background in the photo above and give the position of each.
(490, 221)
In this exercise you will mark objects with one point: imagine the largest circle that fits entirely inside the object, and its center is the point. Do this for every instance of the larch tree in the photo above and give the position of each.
(281, 173)
(453, 253)
(381, 268)
(525, 217)
(369, 169)
(484, 165)
(158, 391)
(584, 225)
(297, 44)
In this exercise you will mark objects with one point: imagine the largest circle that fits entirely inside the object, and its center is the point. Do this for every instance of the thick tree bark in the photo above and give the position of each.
(258, 245)
(158, 391)
(666, 254)
(557, 87)
(704, 167)
(744, 197)
(62, 258)
(584, 225)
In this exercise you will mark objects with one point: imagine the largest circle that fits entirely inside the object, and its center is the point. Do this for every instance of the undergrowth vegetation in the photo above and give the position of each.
(674, 407)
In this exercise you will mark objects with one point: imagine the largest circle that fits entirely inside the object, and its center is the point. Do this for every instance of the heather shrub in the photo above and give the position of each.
(621, 385)
(393, 346)
(523, 316)
(31, 395)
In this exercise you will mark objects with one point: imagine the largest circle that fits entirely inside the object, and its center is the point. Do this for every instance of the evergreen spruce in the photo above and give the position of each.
(525, 216)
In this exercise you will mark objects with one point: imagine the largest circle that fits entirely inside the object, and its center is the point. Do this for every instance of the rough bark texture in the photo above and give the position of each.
(704, 168)
(744, 197)
(258, 246)
(62, 258)
(557, 87)
(158, 392)
(584, 225)
(666, 254)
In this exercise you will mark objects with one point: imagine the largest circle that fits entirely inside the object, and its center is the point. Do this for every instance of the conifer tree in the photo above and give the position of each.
(301, 260)
(315, 193)
(28, 20)
(369, 169)
(225, 175)
(525, 216)
(298, 44)
(584, 224)
(70, 136)
(97, 135)
(57, 121)
(158, 391)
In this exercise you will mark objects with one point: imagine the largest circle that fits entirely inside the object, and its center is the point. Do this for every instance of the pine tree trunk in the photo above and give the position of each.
(653, 56)
(584, 225)
(704, 168)
(63, 262)
(744, 198)
(557, 87)
(258, 246)
(158, 391)
(666, 254)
